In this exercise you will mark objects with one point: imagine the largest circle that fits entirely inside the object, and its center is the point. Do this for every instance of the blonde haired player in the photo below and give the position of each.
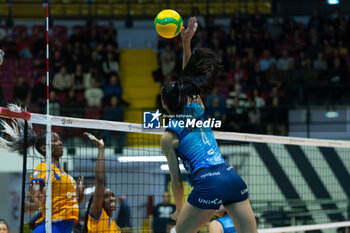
(65, 209)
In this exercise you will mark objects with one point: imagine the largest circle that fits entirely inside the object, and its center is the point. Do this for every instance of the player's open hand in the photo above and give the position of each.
(2, 56)
(99, 142)
(188, 33)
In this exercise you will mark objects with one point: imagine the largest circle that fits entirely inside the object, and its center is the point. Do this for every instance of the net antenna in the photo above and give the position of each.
(48, 207)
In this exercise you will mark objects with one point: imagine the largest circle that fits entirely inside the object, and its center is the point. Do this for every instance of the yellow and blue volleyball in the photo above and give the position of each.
(168, 23)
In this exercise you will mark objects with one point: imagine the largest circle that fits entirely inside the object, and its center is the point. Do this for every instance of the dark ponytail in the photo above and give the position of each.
(197, 77)
(174, 97)
(85, 228)
(201, 70)
(15, 130)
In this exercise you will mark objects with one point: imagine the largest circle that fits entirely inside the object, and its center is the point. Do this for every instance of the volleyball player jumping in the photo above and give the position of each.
(214, 182)
(99, 214)
(65, 209)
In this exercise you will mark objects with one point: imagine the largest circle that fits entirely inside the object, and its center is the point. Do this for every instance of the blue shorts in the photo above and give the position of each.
(57, 227)
(217, 185)
(227, 224)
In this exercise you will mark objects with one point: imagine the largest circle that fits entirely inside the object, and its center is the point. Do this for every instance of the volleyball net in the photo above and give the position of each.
(295, 184)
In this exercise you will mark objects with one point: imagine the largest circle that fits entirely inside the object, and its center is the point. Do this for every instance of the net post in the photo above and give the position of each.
(48, 205)
(24, 172)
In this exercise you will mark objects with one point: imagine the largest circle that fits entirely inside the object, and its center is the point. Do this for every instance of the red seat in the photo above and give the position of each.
(37, 30)
(17, 31)
(61, 97)
(93, 113)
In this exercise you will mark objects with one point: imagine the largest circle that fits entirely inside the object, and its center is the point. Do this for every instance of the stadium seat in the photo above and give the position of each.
(216, 8)
(37, 30)
(17, 31)
(56, 10)
(60, 31)
(20, 10)
(82, 29)
(93, 112)
(265, 7)
(201, 6)
(72, 10)
(184, 9)
(136, 9)
(104, 10)
(120, 9)
(86, 10)
(4, 10)
(231, 8)
(154, 9)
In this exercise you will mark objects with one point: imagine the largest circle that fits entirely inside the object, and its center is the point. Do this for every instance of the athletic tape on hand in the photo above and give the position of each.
(195, 26)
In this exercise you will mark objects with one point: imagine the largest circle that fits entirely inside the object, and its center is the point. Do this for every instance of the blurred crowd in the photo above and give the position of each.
(270, 66)
(84, 66)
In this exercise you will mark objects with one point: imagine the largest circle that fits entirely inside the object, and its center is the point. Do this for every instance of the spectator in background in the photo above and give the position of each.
(38, 94)
(3, 33)
(216, 109)
(95, 62)
(160, 217)
(310, 74)
(273, 76)
(283, 62)
(316, 21)
(320, 64)
(266, 60)
(275, 29)
(78, 77)
(55, 106)
(237, 117)
(123, 219)
(94, 94)
(239, 94)
(23, 46)
(110, 65)
(167, 60)
(72, 106)
(4, 226)
(62, 80)
(276, 118)
(58, 61)
(314, 48)
(114, 113)
(238, 75)
(113, 88)
(21, 92)
(39, 46)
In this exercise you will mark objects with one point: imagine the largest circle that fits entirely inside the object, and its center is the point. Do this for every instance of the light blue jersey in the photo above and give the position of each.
(197, 145)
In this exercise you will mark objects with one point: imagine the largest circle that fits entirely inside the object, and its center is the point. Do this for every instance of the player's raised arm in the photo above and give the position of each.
(187, 35)
(97, 202)
(169, 143)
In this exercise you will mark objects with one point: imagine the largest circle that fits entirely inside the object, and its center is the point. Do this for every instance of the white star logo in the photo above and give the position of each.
(156, 115)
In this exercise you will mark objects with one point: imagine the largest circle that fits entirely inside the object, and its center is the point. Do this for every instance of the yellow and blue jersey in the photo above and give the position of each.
(103, 223)
(64, 202)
